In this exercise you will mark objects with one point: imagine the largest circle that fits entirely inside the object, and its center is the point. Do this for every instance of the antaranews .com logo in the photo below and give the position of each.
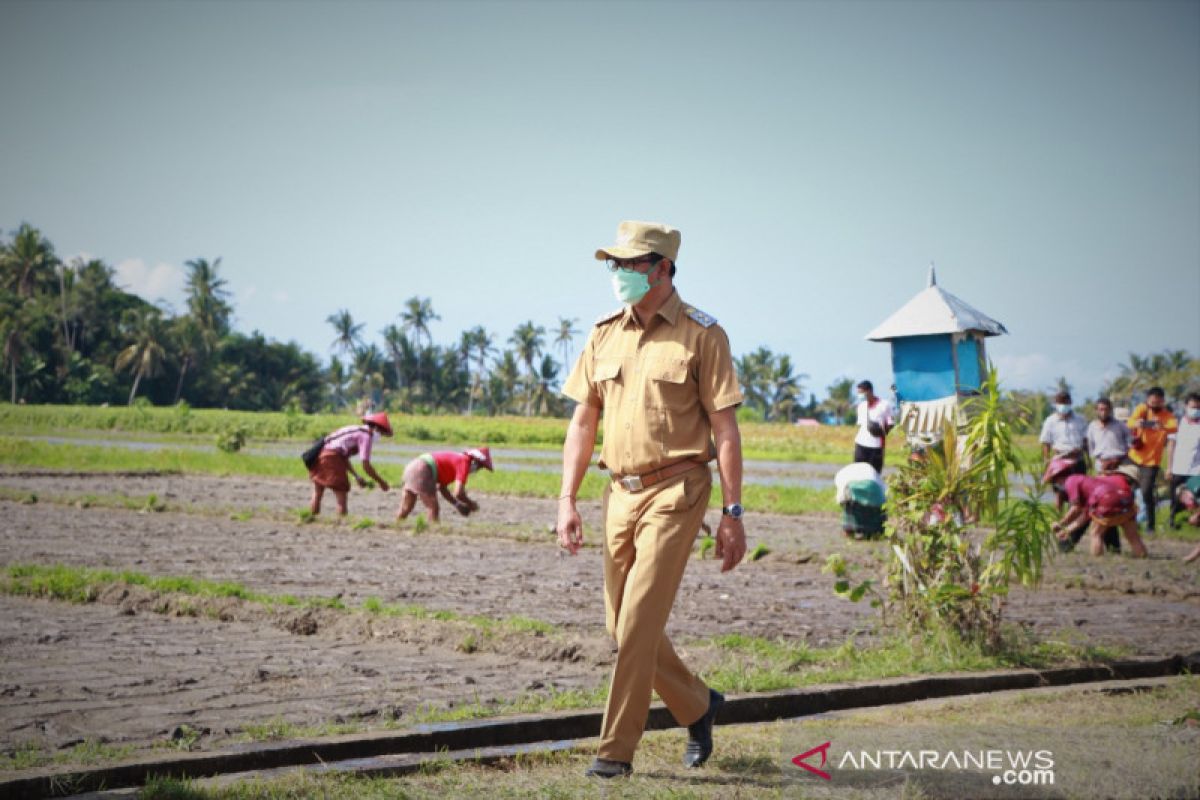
(833, 758)
(1006, 767)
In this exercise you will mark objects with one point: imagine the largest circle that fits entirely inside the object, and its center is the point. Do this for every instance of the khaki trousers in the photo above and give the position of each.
(648, 537)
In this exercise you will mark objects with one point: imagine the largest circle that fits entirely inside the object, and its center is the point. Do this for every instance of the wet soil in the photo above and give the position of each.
(134, 666)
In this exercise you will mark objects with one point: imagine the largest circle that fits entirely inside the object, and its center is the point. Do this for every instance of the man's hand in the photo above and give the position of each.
(569, 526)
(731, 542)
(384, 485)
(362, 483)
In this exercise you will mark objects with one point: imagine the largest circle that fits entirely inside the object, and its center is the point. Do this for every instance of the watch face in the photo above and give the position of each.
(734, 511)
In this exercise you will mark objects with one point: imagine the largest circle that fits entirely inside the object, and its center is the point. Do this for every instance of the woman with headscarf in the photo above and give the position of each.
(332, 467)
(446, 473)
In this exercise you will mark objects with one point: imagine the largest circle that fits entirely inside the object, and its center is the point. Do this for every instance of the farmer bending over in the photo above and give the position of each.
(1108, 500)
(330, 471)
(445, 472)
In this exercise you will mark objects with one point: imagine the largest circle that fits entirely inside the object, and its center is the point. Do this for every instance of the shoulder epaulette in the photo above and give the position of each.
(699, 317)
(609, 316)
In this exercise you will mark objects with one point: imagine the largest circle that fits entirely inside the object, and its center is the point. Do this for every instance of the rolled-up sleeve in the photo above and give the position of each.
(718, 382)
(580, 385)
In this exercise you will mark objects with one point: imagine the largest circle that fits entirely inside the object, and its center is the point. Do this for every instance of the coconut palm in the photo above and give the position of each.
(147, 352)
(545, 400)
(367, 375)
(190, 344)
(564, 338)
(754, 373)
(503, 382)
(207, 300)
(349, 336)
(415, 318)
(337, 380)
(479, 347)
(14, 323)
(528, 341)
(402, 354)
(838, 403)
(784, 389)
(27, 262)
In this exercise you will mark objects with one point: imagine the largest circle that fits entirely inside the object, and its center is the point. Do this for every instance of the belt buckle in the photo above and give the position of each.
(632, 483)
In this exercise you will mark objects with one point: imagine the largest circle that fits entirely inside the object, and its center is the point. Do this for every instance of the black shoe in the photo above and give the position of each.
(603, 768)
(700, 743)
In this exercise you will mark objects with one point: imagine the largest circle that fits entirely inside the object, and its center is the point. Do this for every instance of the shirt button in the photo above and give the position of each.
(628, 426)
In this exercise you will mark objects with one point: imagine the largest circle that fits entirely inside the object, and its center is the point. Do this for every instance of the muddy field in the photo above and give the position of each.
(118, 671)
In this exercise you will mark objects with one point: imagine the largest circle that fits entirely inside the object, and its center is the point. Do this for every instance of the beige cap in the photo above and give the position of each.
(636, 239)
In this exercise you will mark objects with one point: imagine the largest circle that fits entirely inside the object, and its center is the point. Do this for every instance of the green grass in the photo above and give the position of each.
(30, 755)
(83, 585)
(764, 441)
(752, 664)
(749, 761)
(92, 458)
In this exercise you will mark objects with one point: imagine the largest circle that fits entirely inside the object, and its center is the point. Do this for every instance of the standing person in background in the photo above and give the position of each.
(1151, 423)
(659, 373)
(1107, 440)
(1183, 452)
(875, 419)
(1064, 435)
(332, 465)
(446, 473)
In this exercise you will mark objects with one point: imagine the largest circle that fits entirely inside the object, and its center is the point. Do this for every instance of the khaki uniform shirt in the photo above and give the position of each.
(656, 385)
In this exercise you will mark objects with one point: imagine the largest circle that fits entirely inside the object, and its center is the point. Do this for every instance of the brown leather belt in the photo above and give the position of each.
(635, 483)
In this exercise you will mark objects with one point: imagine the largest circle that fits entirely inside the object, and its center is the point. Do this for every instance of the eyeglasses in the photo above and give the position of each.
(630, 265)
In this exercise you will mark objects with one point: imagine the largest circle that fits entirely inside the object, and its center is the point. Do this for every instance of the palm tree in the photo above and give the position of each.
(190, 343)
(27, 262)
(349, 335)
(337, 383)
(145, 355)
(528, 340)
(14, 322)
(545, 399)
(479, 346)
(207, 300)
(367, 375)
(401, 353)
(838, 403)
(415, 318)
(502, 384)
(565, 337)
(754, 370)
(785, 389)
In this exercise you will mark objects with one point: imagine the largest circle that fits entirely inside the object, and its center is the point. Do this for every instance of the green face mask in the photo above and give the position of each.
(629, 286)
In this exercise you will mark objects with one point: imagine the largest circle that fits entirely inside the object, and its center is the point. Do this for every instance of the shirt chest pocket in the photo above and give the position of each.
(607, 377)
(668, 384)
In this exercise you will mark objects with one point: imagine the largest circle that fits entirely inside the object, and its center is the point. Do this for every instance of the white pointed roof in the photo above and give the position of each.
(932, 311)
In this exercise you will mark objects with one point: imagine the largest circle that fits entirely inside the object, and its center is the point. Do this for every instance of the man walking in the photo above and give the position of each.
(661, 374)
(874, 422)
(1151, 423)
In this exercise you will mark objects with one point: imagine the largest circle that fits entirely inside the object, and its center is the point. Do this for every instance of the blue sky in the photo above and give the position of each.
(816, 156)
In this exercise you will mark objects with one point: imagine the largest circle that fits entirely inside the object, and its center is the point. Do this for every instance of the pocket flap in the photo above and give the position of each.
(607, 368)
(670, 370)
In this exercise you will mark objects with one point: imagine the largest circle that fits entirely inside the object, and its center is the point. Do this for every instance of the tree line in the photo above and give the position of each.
(71, 335)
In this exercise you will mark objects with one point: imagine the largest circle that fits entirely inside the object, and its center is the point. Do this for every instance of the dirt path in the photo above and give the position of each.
(72, 672)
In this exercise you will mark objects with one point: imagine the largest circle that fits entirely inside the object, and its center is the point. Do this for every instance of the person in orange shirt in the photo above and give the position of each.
(1151, 423)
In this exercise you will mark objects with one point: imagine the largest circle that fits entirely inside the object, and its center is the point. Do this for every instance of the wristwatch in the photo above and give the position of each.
(733, 511)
